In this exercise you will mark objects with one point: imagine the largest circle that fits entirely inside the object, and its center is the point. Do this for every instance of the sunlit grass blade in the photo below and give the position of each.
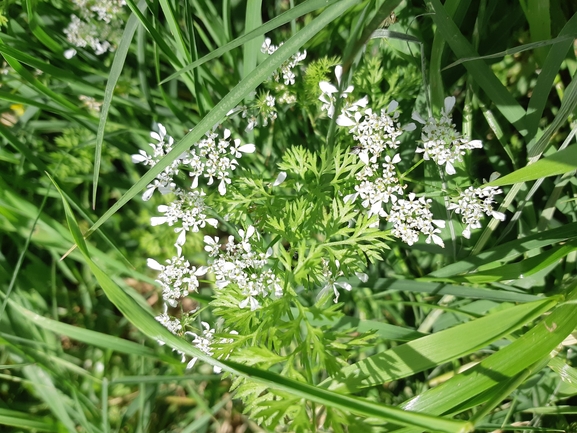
(433, 350)
(253, 20)
(521, 48)
(532, 347)
(459, 291)
(508, 251)
(437, 88)
(46, 390)
(549, 71)
(561, 162)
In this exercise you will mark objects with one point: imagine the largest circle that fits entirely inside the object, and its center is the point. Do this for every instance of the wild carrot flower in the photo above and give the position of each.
(177, 278)
(472, 203)
(413, 217)
(329, 94)
(238, 264)
(97, 25)
(441, 142)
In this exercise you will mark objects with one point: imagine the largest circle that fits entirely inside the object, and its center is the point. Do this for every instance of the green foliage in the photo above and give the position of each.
(79, 345)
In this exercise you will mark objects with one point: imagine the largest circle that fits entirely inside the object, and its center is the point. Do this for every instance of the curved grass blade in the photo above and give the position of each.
(25, 420)
(285, 17)
(525, 47)
(540, 95)
(433, 350)
(390, 284)
(508, 251)
(561, 162)
(533, 347)
(257, 76)
(115, 71)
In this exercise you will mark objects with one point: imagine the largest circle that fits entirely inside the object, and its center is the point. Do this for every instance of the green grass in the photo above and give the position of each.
(79, 345)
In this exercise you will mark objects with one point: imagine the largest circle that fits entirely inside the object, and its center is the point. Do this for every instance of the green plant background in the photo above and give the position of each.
(77, 336)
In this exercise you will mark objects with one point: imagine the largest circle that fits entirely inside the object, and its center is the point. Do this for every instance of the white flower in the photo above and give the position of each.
(412, 217)
(68, 54)
(328, 91)
(472, 203)
(441, 141)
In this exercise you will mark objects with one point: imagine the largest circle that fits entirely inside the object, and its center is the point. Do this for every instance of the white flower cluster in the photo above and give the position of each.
(412, 217)
(286, 69)
(164, 181)
(170, 323)
(90, 103)
(204, 342)
(441, 141)
(473, 203)
(98, 25)
(177, 278)
(211, 158)
(238, 264)
(377, 137)
(329, 94)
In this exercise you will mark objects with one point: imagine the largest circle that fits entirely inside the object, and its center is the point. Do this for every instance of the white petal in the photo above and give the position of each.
(338, 73)
(449, 104)
(212, 221)
(327, 87)
(136, 158)
(449, 168)
(396, 159)
(416, 116)
(162, 208)
(222, 187)
(226, 134)
(156, 221)
(467, 232)
(409, 127)
(392, 106)
(439, 223)
(280, 178)
(201, 271)
(350, 198)
(346, 91)
(181, 238)
(345, 121)
(249, 232)
(153, 264)
(476, 144)
(247, 148)
(364, 156)
(362, 102)
(68, 54)
(345, 286)
(194, 182)
(148, 193)
(362, 276)
(438, 241)
(498, 215)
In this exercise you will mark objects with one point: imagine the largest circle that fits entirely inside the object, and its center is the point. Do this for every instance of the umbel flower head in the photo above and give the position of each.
(441, 141)
(472, 203)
